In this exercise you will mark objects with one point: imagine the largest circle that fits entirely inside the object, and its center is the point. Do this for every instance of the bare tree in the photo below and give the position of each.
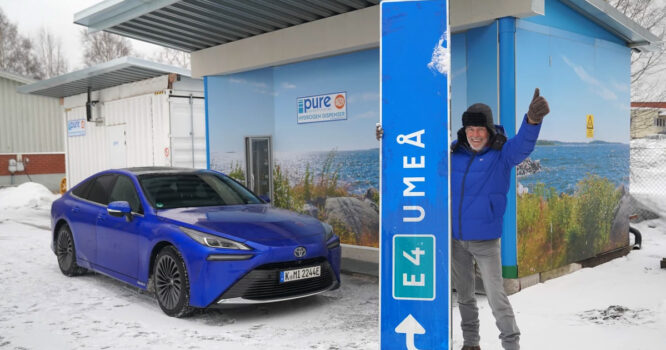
(50, 54)
(650, 14)
(173, 57)
(102, 47)
(16, 51)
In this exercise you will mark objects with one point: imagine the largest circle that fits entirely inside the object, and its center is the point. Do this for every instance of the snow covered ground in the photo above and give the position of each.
(617, 305)
(40, 308)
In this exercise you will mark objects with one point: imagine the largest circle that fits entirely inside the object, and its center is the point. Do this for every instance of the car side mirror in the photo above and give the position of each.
(119, 209)
(265, 198)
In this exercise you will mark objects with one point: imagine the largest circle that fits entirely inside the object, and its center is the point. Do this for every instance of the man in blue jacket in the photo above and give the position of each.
(481, 163)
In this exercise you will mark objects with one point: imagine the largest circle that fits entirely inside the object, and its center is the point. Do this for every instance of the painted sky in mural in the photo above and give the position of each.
(580, 76)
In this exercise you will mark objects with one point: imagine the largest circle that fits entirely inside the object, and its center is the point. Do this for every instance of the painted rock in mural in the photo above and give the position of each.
(355, 220)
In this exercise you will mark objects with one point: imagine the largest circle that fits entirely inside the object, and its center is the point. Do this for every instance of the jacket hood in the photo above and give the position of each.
(259, 223)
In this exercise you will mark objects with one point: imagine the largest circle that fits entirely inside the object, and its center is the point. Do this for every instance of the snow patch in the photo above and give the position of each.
(441, 58)
(27, 195)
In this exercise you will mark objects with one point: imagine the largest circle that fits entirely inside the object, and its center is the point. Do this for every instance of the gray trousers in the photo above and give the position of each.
(487, 256)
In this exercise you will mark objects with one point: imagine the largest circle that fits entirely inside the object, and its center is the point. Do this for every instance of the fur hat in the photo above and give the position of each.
(479, 114)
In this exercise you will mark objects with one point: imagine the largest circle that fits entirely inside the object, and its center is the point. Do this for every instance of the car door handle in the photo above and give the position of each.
(75, 210)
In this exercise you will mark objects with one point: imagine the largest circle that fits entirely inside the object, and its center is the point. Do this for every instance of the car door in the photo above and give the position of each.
(118, 237)
(88, 202)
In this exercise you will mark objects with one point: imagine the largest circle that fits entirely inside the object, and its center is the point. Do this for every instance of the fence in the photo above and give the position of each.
(648, 176)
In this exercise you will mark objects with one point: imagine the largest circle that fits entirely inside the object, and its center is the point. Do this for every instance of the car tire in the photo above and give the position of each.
(66, 253)
(171, 283)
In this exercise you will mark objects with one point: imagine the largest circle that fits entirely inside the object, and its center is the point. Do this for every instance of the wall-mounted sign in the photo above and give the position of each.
(590, 126)
(76, 127)
(322, 108)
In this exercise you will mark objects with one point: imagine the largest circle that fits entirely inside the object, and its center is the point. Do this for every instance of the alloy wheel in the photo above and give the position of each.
(168, 282)
(65, 250)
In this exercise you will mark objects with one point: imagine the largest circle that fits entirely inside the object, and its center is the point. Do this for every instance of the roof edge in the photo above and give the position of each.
(16, 77)
(113, 12)
(611, 19)
(113, 65)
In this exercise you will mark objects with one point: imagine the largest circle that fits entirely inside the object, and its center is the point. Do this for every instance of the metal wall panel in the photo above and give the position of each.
(28, 123)
(86, 154)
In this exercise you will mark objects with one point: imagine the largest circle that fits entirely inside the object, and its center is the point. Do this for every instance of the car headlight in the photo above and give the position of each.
(212, 240)
(328, 235)
(328, 231)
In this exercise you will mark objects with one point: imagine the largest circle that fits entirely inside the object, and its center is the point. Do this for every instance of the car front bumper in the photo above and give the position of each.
(256, 279)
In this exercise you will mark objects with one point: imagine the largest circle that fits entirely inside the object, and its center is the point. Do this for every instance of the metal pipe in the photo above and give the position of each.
(507, 117)
(192, 127)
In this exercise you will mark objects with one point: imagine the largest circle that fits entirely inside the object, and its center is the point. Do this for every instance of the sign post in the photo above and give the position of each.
(415, 240)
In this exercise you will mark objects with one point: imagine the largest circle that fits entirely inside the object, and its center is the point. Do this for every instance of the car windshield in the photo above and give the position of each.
(165, 191)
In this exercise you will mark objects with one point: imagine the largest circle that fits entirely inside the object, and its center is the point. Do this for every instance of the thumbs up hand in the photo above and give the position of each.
(538, 108)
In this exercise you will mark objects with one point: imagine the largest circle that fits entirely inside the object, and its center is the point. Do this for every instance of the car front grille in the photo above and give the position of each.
(263, 283)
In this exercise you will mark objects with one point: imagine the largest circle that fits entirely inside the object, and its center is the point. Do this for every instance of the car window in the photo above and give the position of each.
(194, 190)
(82, 189)
(124, 190)
(100, 189)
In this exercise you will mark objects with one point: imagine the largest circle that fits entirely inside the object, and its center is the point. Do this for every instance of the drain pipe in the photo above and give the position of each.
(638, 238)
(192, 127)
(12, 169)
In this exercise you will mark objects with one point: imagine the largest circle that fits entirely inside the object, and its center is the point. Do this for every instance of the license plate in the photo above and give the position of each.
(300, 274)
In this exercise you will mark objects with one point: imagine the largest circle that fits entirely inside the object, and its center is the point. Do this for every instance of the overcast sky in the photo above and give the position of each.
(58, 17)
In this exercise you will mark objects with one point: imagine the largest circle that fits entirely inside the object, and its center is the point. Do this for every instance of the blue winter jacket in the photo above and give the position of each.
(480, 181)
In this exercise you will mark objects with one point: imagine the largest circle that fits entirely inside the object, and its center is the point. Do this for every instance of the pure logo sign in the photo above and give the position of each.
(322, 108)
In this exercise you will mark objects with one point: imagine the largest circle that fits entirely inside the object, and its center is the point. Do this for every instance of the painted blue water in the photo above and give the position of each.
(562, 166)
(358, 170)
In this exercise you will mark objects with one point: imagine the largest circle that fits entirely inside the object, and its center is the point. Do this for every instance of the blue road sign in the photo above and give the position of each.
(414, 279)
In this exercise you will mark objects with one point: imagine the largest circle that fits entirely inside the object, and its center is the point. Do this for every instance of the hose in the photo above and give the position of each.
(638, 239)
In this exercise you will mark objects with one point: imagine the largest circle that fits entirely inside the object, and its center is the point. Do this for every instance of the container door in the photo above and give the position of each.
(117, 146)
(259, 161)
(188, 132)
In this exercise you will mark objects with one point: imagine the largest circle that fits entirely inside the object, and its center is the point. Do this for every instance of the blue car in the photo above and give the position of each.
(196, 238)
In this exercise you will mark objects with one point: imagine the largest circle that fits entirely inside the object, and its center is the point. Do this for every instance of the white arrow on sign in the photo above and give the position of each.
(410, 326)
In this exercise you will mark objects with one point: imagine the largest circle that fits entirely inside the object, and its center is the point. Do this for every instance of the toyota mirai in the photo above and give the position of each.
(196, 238)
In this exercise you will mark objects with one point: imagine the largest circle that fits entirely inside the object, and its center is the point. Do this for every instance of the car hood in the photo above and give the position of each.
(259, 223)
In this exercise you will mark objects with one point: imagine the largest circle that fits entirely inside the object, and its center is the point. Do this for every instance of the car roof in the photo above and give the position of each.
(161, 170)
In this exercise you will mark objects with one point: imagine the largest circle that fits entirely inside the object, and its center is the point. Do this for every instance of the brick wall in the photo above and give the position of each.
(42, 163)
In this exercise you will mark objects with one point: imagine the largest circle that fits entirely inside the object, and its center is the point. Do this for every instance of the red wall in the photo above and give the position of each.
(36, 164)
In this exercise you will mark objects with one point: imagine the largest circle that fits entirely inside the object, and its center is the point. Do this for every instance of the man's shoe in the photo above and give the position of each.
(467, 347)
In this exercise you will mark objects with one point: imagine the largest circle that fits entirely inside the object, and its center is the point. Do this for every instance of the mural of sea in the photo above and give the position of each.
(358, 170)
(562, 165)
(337, 187)
(572, 210)
(222, 161)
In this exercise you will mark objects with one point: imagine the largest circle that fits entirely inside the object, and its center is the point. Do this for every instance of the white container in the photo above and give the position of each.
(137, 124)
